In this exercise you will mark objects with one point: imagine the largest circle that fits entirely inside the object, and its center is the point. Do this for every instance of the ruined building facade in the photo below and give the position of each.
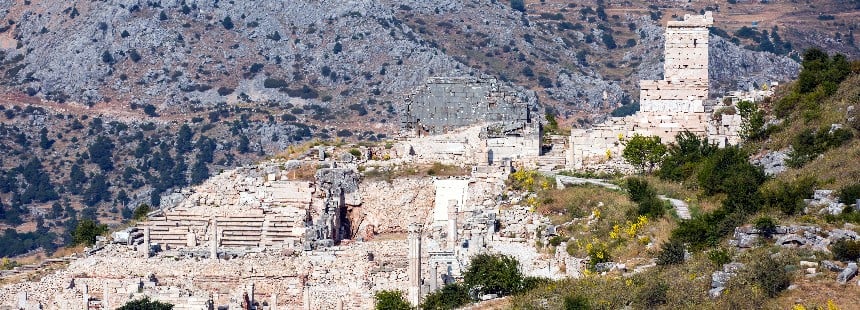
(444, 107)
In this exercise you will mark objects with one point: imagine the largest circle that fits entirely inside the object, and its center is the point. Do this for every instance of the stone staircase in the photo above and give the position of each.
(253, 229)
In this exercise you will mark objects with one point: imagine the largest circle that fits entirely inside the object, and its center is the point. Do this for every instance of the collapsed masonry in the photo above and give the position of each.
(509, 124)
(679, 102)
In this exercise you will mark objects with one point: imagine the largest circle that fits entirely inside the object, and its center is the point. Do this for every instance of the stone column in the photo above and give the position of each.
(213, 251)
(273, 305)
(414, 260)
(22, 300)
(106, 296)
(251, 292)
(434, 276)
(306, 298)
(86, 297)
(452, 224)
(146, 245)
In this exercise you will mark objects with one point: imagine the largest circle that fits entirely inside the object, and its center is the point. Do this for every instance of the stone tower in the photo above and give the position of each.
(684, 86)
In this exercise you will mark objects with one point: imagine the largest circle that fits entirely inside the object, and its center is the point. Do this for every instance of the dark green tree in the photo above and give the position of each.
(199, 172)
(451, 296)
(518, 5)
(494, 274)
(243, 145)
(146, 304)
(86, 231)
(183, 139)
(39, 187)
(101, 153)
(77, 179)
(644, 152)
(44, 142)
(391, 300)
(97, 191)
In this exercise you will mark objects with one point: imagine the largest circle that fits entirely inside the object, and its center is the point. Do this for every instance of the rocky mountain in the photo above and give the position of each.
(340, 59)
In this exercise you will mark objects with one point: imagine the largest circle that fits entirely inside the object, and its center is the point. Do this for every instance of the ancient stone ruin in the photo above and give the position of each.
(679, 102)
(472, 121)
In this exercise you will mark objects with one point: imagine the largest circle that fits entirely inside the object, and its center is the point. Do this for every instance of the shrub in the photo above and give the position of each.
(356, 153)
(765, 225)
(648, 204)
(576, 302)
(391, 300)
(769, 274)
(752, 120)
(809, 144)
(494, 274)
(788, 196)
(274, 83)
(846, 250)
(86, 231)
(719, 256)
(849, 194)
(141, 211)
(652, 294)
(518, 5)
(449, 297)
(146, 304)
(150, 110)
(227, 23)
(684, 156)
(643, 152)
(671, 253)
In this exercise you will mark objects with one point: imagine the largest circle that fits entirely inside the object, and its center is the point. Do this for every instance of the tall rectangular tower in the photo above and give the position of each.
(684, 86)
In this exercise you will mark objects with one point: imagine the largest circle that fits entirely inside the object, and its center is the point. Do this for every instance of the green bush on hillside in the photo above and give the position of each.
(819, 77)
(391, 300)
(846, 250)
(809, 144)
(684, 156)
(849, 194)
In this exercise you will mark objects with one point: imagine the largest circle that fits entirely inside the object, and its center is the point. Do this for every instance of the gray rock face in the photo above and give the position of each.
(720, 278)
(773, 163)
(733, 67)
(830, 265)
(847, 273)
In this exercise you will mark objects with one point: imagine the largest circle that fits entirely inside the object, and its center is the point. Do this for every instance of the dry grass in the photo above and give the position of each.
(834, 169)
(817, 291)
(390, 173)
(578, 201)
(305, 172)
(698, 203)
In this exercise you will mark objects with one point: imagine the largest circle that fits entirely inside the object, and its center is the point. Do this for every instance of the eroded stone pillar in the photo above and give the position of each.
(251, 292)
(434, 276)
(452, 224)
(213, 250)
(86, 297)
(106, 296)
(146, 245)
(273, 305)
(414, 259)
(306, 298)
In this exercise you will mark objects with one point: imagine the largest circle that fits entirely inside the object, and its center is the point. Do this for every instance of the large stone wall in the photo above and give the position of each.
(443, 104)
